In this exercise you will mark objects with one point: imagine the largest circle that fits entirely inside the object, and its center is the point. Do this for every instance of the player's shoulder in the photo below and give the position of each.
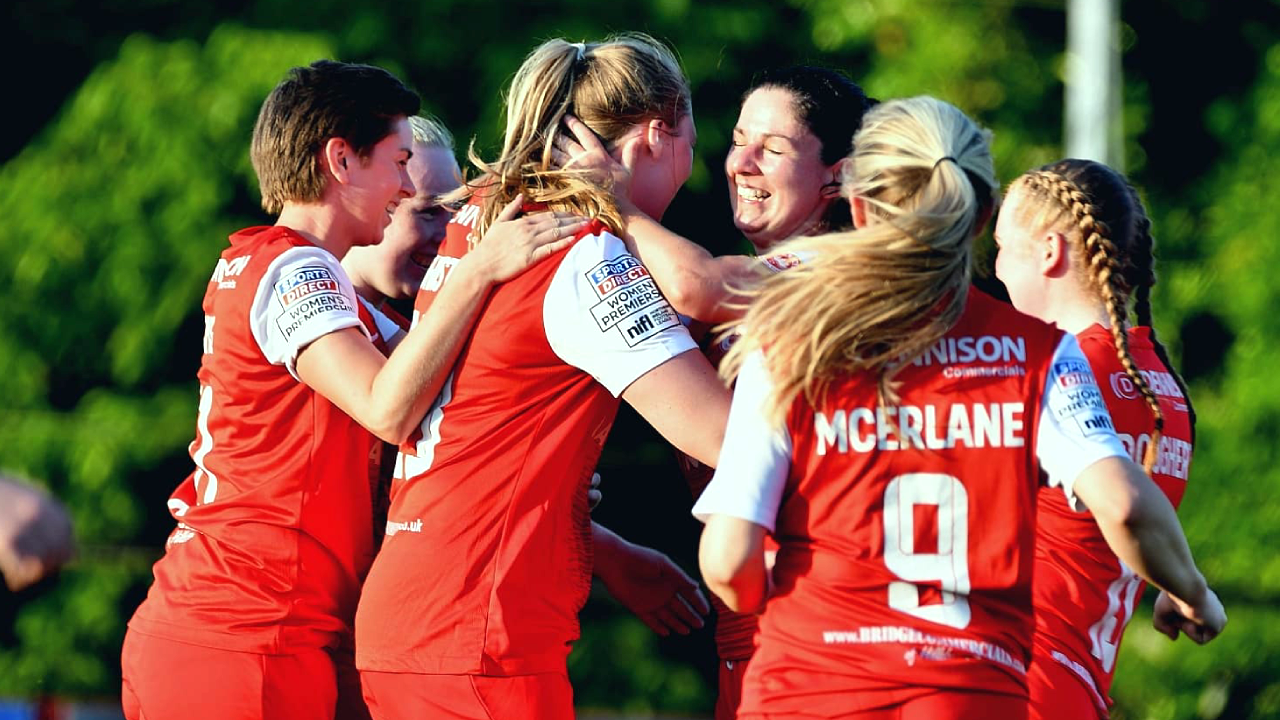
(1098, 346)
(986, 317)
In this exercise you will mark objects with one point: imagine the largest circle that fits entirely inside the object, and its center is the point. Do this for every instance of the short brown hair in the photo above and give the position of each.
(324, 100)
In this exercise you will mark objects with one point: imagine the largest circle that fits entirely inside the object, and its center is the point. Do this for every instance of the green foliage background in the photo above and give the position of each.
(130, 168)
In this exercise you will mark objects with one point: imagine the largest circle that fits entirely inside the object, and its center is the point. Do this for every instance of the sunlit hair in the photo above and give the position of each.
(872, 299)
(324, 100)
(1102, 217)
(610, 86)
(429, 131)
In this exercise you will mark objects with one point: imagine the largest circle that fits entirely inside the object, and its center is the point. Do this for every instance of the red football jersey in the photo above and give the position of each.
(906, 532)
(1084, 595)
(487, 558)
(273, 531)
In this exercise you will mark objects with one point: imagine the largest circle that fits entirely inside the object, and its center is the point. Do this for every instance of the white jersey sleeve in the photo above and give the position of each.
(1075, 427)
(303, 296)
(604, 314)
(755, 459)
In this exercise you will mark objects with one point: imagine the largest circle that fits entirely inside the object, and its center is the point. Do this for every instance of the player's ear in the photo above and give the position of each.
(831, 179)
(1055, 254)
(335, 156)
(656, 136)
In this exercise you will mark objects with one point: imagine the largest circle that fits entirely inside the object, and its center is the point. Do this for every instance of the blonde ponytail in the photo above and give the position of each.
(610, 86)
(872, 299)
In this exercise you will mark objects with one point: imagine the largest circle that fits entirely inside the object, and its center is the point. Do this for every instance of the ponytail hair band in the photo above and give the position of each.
(942, 159)
(582, 51)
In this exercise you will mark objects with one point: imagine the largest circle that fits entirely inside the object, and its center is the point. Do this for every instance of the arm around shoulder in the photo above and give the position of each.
(696, 283)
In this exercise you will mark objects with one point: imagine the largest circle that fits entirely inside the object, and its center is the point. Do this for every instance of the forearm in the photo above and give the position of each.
(696, 283)
(1143, 531)
(608, 548)
(1152, 545)
(420, 364)
(731, 555)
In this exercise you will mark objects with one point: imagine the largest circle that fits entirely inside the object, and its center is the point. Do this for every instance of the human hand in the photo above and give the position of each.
(594, 496)
(581, 149)
(515, 244)
(35, 534)
(1201, 622)
(656, 590)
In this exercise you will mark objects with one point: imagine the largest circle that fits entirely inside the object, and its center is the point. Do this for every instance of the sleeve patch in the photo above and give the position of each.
(305, 293)
(629, 300)
(1078, 399)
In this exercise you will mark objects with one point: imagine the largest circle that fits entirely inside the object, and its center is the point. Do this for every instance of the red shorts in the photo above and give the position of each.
(940, 705)
(168, 679)
(350, 693)
(732, 673)
(1059, 693)
(410, 696)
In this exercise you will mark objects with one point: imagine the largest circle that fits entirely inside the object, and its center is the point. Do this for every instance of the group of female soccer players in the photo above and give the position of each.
(901, 453)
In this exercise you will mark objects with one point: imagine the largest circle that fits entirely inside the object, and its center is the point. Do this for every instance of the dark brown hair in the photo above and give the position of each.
(326, 99)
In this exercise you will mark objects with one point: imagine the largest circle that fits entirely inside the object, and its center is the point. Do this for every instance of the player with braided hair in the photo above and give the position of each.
(890, 427)
(1075, 247)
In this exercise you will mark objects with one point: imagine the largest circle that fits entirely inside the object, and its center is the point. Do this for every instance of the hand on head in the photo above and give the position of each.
(581, 149)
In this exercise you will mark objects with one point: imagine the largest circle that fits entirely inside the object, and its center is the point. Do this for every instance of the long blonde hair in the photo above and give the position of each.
(1103, 219)
(610, 85)
(872, 299)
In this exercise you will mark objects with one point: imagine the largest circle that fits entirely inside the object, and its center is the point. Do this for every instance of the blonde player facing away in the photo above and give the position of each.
(645, 581)
(1075, 247)
(260, 578)
(890, 426)
(471, 606)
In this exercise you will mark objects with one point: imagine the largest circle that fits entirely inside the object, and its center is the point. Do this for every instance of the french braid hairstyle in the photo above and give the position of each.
(1110, 234)
(610, 86)
(872, 299)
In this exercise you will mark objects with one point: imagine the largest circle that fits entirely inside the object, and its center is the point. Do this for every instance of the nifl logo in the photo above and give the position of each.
(642, 326)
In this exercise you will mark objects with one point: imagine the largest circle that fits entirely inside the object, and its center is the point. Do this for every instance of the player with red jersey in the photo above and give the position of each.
(896, 455)
(260, 578)
(471, 606)
(1074, 246)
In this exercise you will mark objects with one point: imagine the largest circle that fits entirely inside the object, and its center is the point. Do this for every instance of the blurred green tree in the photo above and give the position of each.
(115, 215)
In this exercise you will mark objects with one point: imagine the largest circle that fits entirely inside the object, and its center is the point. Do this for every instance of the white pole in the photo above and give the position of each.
(1094, 122)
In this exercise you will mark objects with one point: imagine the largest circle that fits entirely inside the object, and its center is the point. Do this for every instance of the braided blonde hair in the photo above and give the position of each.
(872, 299)
(1111, 235)
(610, 86)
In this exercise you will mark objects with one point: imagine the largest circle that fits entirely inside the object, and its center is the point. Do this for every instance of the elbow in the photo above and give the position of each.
(684, 293)
(399, 434)
(729, 578)
(1120, 511)
(393, 430)
(701, 291)
(726, 587)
